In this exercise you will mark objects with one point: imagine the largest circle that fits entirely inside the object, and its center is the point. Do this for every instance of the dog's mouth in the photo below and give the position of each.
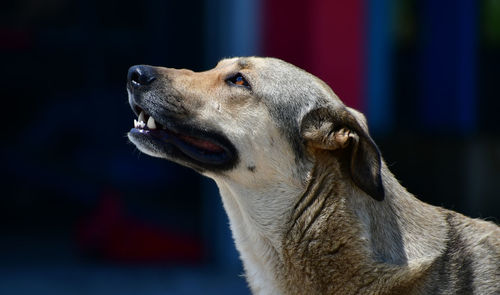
(205, 149)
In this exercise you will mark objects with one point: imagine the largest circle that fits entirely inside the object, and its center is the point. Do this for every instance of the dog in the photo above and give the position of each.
(313, 208)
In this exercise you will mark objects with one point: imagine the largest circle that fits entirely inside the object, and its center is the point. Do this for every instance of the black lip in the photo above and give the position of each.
(173, 147)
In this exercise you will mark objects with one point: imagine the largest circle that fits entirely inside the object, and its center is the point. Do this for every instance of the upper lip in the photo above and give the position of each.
(145, 120)
(148, 116)
(151, 120)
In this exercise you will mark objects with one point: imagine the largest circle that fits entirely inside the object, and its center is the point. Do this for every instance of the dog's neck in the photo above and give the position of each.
(258, 220)
(340, 238)
(281, 228)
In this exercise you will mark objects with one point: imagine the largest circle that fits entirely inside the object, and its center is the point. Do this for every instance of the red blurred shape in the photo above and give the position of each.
(14, 39)
(323, 37)
(110, 234)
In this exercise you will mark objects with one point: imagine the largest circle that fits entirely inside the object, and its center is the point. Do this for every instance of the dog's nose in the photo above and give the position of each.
(141, 76)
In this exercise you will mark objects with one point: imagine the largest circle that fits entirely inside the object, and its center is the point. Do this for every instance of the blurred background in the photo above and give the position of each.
(83, 212)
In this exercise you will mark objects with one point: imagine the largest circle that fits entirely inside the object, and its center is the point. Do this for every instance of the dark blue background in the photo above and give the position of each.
(76, 196)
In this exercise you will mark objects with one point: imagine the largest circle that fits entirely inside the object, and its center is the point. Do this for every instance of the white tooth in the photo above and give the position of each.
(135, 123)
(151, 123)
(141, 117)
(141, 124)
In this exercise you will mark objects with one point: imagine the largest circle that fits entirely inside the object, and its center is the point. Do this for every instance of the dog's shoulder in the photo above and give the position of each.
(474, 234)
(470, 261)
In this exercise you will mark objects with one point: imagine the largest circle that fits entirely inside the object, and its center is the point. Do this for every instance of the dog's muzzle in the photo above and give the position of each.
(176, 138)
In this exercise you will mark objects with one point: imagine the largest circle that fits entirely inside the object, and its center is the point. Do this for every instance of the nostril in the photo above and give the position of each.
(135, 77)
(141, 75)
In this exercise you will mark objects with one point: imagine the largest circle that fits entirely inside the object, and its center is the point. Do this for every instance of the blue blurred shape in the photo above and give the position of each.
(379, 98)
(448, 65)
(231, 29)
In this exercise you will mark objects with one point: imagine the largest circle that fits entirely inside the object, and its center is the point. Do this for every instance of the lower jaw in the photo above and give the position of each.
(199, 157)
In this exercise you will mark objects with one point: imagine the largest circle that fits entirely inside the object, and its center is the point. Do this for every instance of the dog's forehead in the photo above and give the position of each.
(287, 88)
(278, 81)
(235, 62)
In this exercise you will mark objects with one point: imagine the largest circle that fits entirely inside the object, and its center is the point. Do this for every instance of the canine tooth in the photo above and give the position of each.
(141, 117)
(135, 123)
(151, 123)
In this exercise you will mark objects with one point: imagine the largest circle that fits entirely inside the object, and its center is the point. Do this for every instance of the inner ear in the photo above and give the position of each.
(326, 138)
(318, 129)
(328, 129)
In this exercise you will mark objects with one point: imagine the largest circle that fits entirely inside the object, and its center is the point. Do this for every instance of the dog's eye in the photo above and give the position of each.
(239, 80)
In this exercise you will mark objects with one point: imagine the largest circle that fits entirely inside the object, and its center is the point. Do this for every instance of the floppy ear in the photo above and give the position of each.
(332, 129)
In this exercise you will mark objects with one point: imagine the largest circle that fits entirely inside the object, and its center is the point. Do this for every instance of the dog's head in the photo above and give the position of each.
(253, 120)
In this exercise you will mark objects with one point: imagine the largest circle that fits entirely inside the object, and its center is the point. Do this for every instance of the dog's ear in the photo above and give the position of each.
(338, 128)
